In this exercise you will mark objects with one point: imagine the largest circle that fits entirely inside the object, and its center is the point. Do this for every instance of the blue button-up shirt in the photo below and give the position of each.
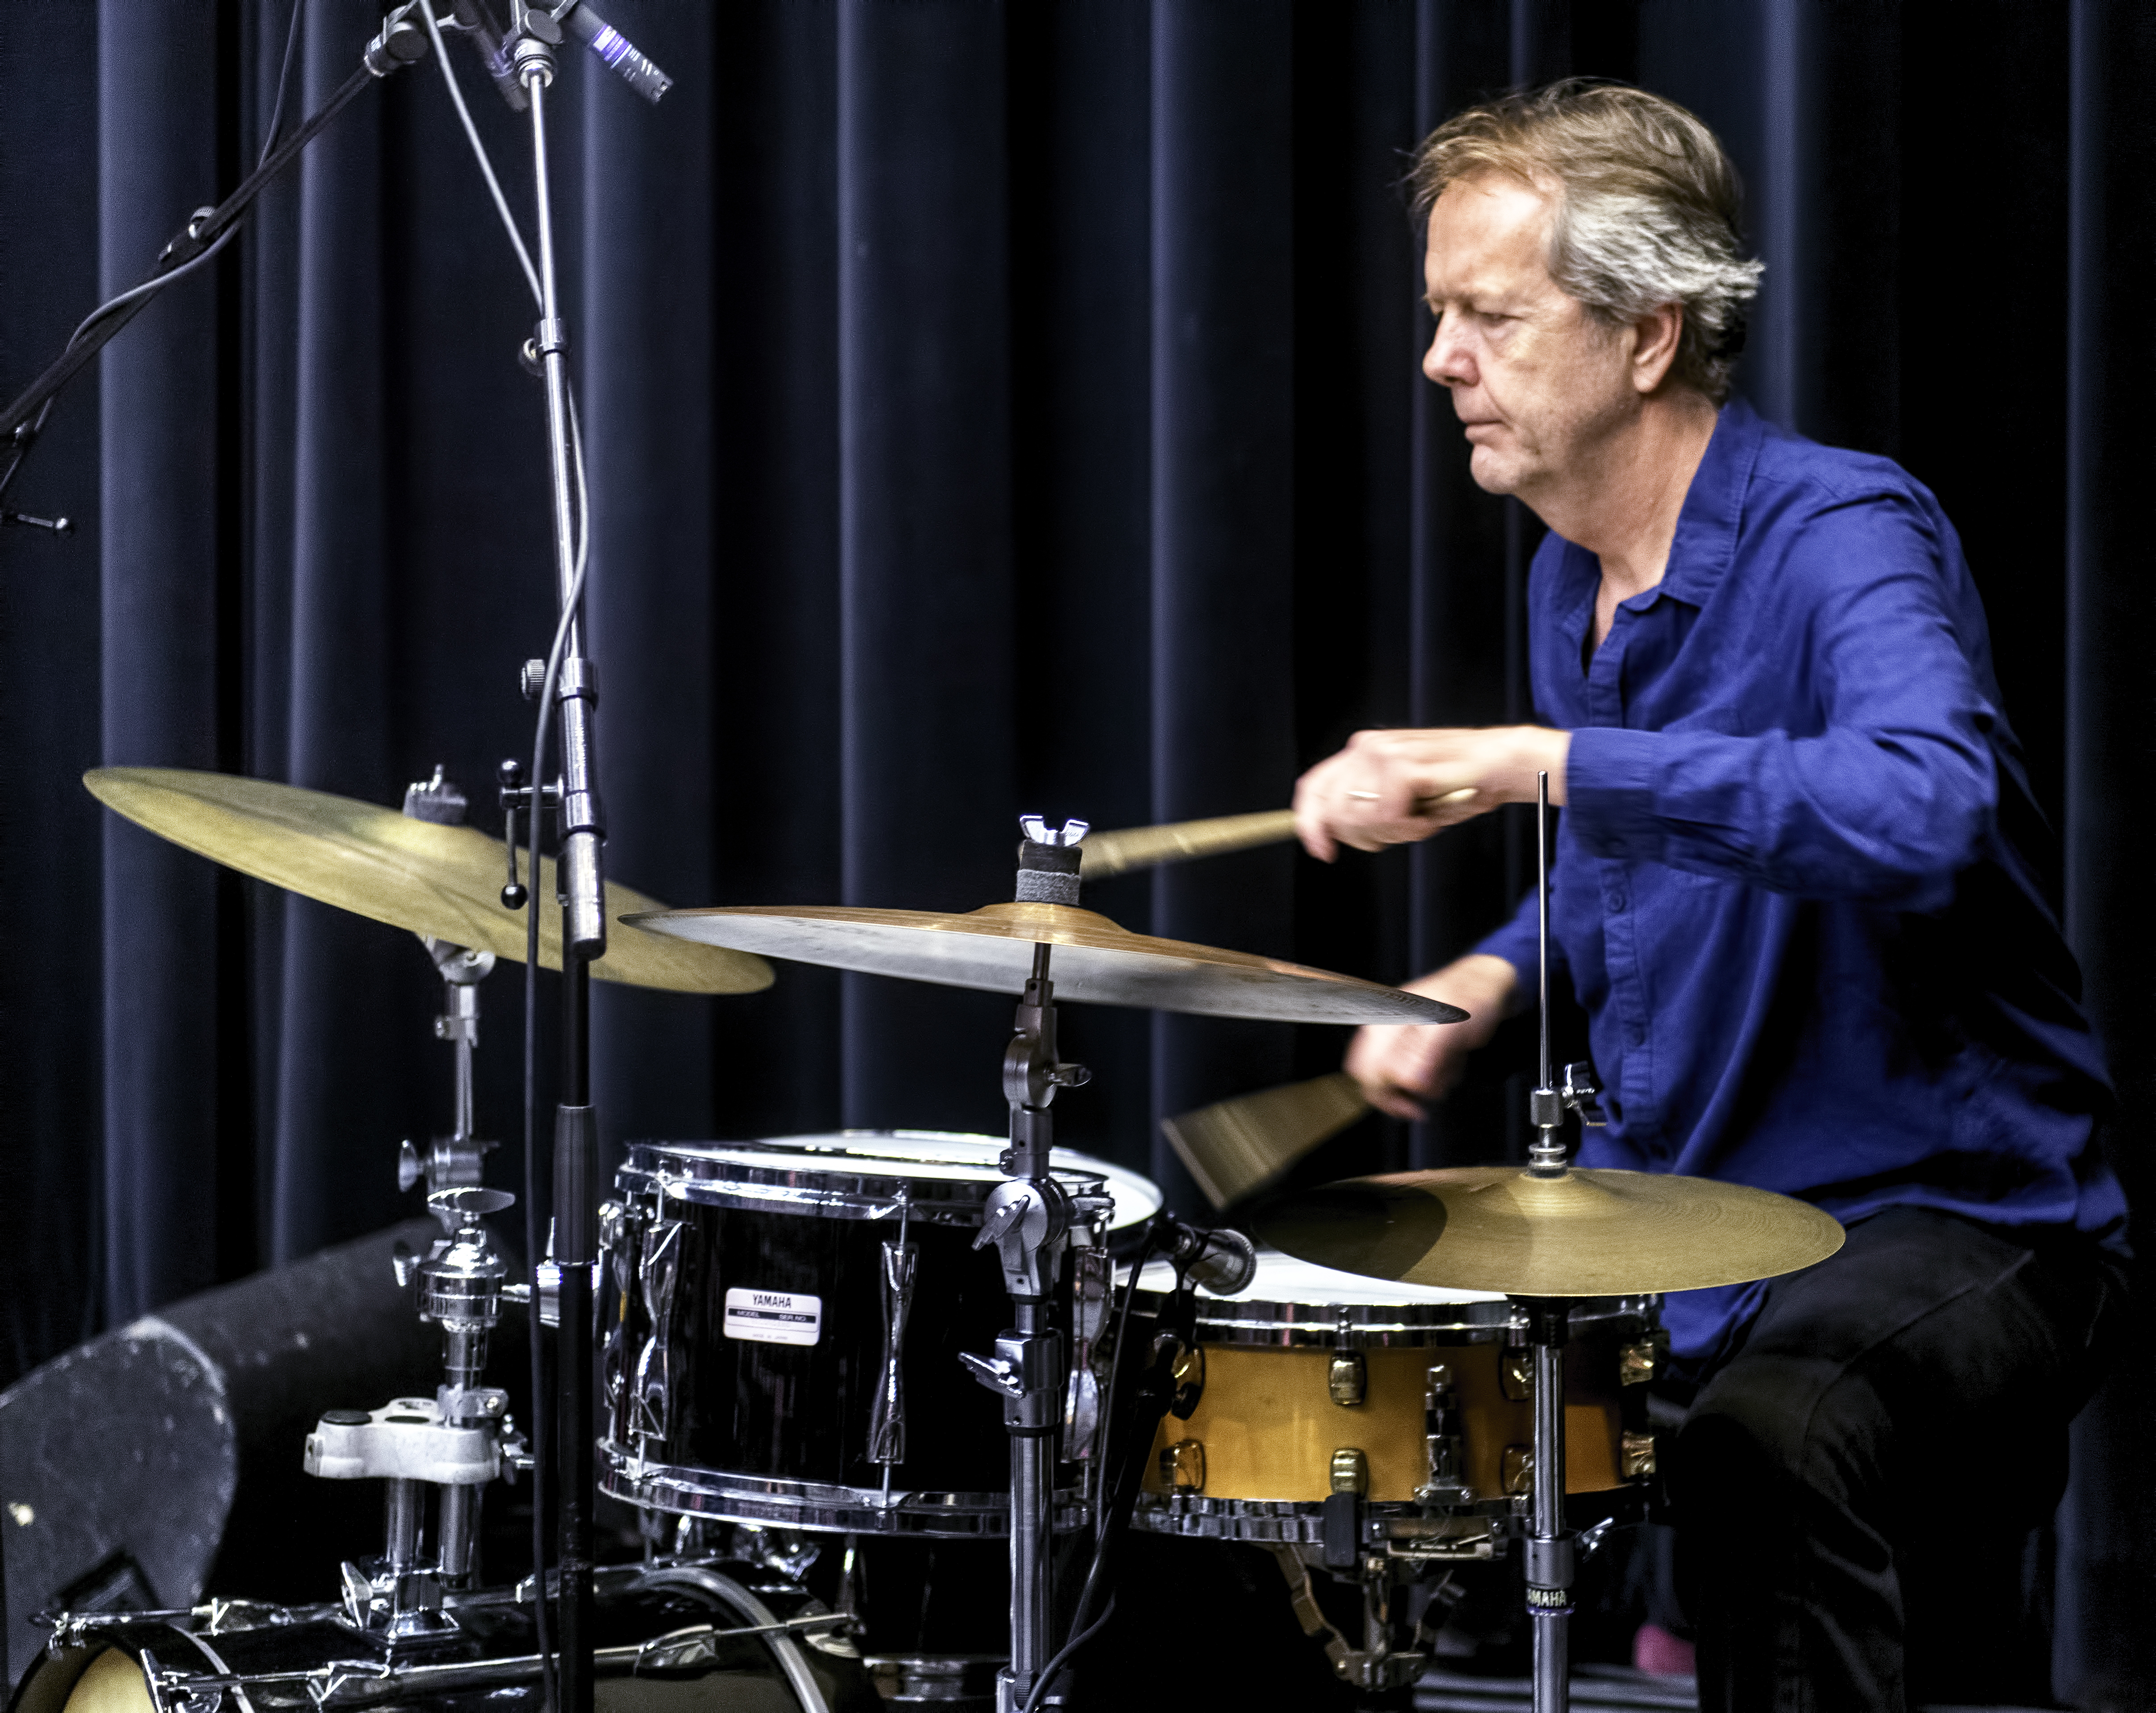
(1795, 883)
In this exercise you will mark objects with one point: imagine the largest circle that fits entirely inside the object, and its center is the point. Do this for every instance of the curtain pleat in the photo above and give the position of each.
(164, 538)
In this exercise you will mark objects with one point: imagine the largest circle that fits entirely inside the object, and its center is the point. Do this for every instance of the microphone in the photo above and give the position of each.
(618, 51)
(476, 18)
(1222, 1260)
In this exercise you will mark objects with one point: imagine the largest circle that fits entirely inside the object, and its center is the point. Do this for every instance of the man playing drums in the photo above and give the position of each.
(1796, 889)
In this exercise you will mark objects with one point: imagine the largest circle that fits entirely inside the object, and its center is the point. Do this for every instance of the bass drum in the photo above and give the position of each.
(670, 1639)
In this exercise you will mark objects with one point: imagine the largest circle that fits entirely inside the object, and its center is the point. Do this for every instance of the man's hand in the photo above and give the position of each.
(1403, 1067)
(1395, 787)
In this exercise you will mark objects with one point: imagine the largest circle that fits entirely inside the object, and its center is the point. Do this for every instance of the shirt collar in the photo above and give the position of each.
(1706, 541)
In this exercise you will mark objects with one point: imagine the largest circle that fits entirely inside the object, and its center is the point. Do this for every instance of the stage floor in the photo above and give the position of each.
(1603, 1688)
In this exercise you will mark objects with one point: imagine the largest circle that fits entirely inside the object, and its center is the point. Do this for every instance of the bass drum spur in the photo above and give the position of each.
(784, 1323)
(709, 1637)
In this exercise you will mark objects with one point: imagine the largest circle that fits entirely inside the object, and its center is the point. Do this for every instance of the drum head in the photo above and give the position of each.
(1282, 1278)
(949, 1166)
(1292, 1302)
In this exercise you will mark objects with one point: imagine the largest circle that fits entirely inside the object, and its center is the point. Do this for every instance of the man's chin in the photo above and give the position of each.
(1493, 472)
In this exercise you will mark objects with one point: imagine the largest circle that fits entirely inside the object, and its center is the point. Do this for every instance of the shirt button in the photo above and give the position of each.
(1637, 1034)
(1617, 901)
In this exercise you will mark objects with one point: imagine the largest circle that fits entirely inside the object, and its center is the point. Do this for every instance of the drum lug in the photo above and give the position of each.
(621, 1236)
(1636, 1455)
(658, 1271)
(1182, 1466)
(1089, 1302)
(1348, 1380)
(901, 1266)
(1641, 1362)
(1188, 1371)
(1441, 1440)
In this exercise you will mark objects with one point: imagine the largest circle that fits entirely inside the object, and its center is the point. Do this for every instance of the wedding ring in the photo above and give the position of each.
(1368, 797)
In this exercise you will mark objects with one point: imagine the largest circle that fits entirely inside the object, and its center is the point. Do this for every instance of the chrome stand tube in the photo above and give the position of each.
(1028, 1218)
(580, 833)
(403, 1519)
(458, 1507)
(1551, 1554)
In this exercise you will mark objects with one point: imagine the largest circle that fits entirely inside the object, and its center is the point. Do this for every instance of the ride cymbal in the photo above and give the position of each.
(1584, 1234)
(438, 881)
(1095, 961)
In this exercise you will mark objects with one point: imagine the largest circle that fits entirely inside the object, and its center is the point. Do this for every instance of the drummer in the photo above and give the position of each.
(1797, 889)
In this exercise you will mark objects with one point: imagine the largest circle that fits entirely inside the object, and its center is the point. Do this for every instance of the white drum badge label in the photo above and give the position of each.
(773, 1317)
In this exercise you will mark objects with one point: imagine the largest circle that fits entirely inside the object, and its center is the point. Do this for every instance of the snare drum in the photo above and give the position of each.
(670, 1638)
(784, 1320)
(1313, 1382)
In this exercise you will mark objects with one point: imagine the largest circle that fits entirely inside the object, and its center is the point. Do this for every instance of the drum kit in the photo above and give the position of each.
(771, 1347)
(794, 1335)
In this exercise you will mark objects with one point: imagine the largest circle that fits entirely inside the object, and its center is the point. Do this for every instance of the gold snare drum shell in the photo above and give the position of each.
(1269, 1426)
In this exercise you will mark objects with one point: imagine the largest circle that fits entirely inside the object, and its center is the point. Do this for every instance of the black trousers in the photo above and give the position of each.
(1856, 1487)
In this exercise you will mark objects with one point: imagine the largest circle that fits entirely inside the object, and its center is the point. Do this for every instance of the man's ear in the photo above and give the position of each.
(1655, 337)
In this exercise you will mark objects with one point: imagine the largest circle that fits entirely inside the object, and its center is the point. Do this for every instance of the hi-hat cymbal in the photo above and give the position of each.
(1586, 1233)
(437, 881)
(1094, 960)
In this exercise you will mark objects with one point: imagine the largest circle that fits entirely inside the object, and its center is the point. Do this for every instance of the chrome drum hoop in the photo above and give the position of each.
(769, 1502)
(1295, 1324)
(775, 1177)
(1296, 1523)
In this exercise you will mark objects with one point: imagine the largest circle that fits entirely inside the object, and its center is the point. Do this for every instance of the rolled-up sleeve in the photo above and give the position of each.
(1885, 802)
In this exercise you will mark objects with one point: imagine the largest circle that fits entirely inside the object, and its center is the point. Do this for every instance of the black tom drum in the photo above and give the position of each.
(784, 1320)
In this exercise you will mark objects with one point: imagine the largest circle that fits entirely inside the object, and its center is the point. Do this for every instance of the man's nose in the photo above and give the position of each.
(1448, 361)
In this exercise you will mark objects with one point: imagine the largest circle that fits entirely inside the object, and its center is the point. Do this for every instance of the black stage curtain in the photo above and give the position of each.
(992, 408)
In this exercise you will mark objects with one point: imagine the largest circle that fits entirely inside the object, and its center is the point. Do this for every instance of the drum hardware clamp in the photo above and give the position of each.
(458, 1441)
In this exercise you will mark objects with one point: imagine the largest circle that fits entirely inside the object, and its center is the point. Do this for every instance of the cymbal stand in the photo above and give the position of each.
(1027, 1217)
(457, 1441)
(451, 1161)
(1552, 1556)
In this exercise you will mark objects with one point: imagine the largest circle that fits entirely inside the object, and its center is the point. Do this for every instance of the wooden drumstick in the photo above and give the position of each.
(1236, 1147)
(1118, 852)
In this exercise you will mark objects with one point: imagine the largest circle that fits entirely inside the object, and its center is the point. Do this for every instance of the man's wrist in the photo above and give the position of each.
(1541, 749)
(1481, 983)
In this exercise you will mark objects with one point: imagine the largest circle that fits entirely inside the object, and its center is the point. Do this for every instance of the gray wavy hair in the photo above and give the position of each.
(1647, 205)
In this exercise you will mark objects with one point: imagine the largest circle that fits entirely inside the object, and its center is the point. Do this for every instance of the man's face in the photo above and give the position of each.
(1537, 381)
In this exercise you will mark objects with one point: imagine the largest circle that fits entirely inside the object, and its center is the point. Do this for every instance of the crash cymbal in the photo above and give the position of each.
(1584, 1234)
(437, 881)
(1119, 851)
(1235, 1148)
(1094, 962)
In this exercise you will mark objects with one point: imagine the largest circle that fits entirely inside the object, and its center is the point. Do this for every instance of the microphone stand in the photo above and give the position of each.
(400, 44)
(580, 834)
